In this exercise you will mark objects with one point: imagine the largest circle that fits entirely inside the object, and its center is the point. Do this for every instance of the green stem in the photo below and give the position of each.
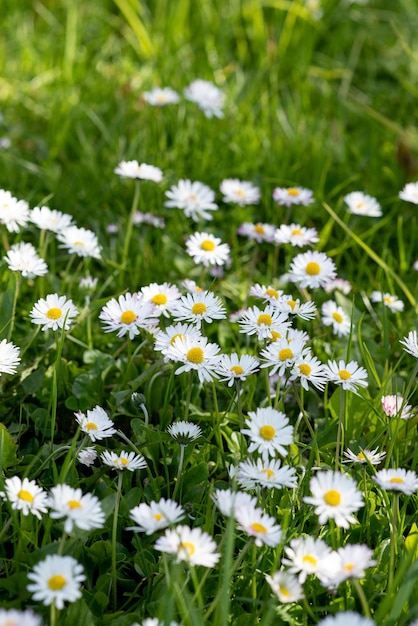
(340, 433)
(13, 315)
(179, 471)
(362, 597)
(218, 434)
(53, 614)
(114, 538)
(188, 396)
(129, 226)
(393, 539)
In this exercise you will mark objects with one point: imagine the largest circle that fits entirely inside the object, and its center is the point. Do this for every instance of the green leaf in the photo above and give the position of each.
(8, 448)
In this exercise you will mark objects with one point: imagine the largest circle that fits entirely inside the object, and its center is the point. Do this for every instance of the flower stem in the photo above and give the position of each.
(362, 597)
(393, 539)
(114, 538)
(129, 226)
(179, 471)
(340, 433)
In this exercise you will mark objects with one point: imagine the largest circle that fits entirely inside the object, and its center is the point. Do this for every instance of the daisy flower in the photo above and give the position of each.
(143, 171)
(198, 307)
(335, 496)
(25, 495)
(232, 367)
(49, 219)
(353, 560)
(308, 369)
(374, 457)
(194, 198)
(267, 474)
(228, 501)
(305, 556)
(191, 545)
(333, 315)
(305, 310)
(55, 580)
(402, 480)
(269, 432)
(165, 338)
(9, 357)
(127, 315)
(207, 249)
(359, 203)
(160, 96)
(80, 241)
(393, 303)
(312, 269)
(82, 511)
(267, 323)
(22, 257)
(123, 461)
(267, 293)
(296, 235)
(257, 232)
(239, 192)
(346, 617)
(12, 617)
(207, 96)
(148, 218)
(282, 354)
(338, 284)
(164, 297)
(184, 432)
(96, 424)
(288, 196)
(87, 456)
(155, 516)
(410, 343)
(410, 193)
(349, 375)
(259, 525)
(53, 312)
(285, 586)
(195, 354)
(14, 213)
(395, 406)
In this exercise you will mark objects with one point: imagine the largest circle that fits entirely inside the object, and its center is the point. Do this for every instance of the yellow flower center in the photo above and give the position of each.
(123, 460)
(265, 319)
(284, 591)
(388, 300)
(313, 268)
(259, 528)
(237, 370)
(360, 205)
(332, 497)
(344, 374)
(349, 566)
(308, 558)
(296, 231)
(337, 317)
(397, 480)
(159, 298)
(158, 517)
(292, 304)
(161, 98)
(284, 354)
(199, 308)
(259, 229)
(25, 495)
(305, 369)
(292, 191)
(174, 337)
(127, 317)
(74, 504)
(240, 192)
(54, 313)
(267, 471)
(195, 355)
(57, 582)
(267, 432)
(275, 335)
(187, 547)
(272, 293)
(90, 426)
(79, 243)
(361, 456)
(207, 245)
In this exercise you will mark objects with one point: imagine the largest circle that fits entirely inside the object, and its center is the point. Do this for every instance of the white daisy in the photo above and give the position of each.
(308, 369)
(160, 96)
(88, 283)
(82, 511)
(257, 232)
(312, 269)
(14, 213)
(165, 338)
(334, 315)
(194, 198)
(25, 495)
(164, 297)
(285, 586)
(295, 234)
(349, 375)
(13, 617)
(305, 310)
(87, 456)
(402, 480)
(123, 461)
(184, 432)
(9, 357)
(195, 354)
(155, 516)
(259, 525)
(410, 193)
(143, 171)
(393, 303)
(49, 219)
(240, 192)
(360, 203)
(207, 249)
(305, 556)
(267, 474)
(128, 315)
(207, 96)
(267, 323)
(267, 293)
(148, 218)
(338, 284)
(269, 432)
(346, 617)
(396, 406)
(335, 496)
(282, 354)
(96, 424)
(53, 312)
(288, 196)
(198, 307)
(410, 343)
(55, 580)
(232, 367)
(374, 457)
(22, 257)
(191, 545)
(228, 501)
(80, 241)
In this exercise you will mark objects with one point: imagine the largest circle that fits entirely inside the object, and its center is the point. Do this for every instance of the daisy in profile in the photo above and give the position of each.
(285, 586)
(267, 293)
(306, 556)
(335, 496)
(198, 307)
(307, 369)
(240, 192)
(25, 495)
(269, 432)
(267, 323)
(13, 617)
(150, 518)
(410, 193)
(184, 432)
(410, 343)
(282, 354)
(349, 375)
(312, 269)
(80, 241)
(396, 406)
(195, 199)
(128, 315)
(393, 303)
(232, 368)
(123, 461)
(55, 580)
(161, 96)
(351, 562)
(402, 480)
(141, 171)
(53, 312)
(359, 203)
(374, 457)
(228, 501)
(50, 219)
(334, 316)
(267, 474)
(14, 213)
(288, 196)
(82, 511)
(190, 545)
(339, 284)
(257, 232)
(87, 456)
(148, 218)
(164, 297)
(207, 249)
(207, 96)
(346, 617)
(304, 310)
(96, 424)
(195, 354)
(255, 523)
(9, 357)
(295, 234)
(22, 257)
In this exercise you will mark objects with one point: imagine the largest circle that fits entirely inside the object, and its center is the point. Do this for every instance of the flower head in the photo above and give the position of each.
(155, 516)
(49, 219)
(259, 525)
(281, 355)
(295, 234)
(268, 474)
(96, 424)
(228, 501)
(13, 617)
(335, 496)
(191, 545)
(267, 323)
(207, 249)
(195, 354)
(239, 192)
(194, 198)
(374, 457)
(306, 556)
(87, 456)
(199, 306)
(143, 171)
(184, 432)
(123, 461)
(288, 196)
(55, 580)
(396, 406)
(393, 303)
(82, 511)
(410, 193)
(232, 367)
(160, 96)
(402, 480)
(285, 586)
(346, 617)
(351, 562)
(25, 495)
(360, 203)
(308, 370)
(410, 343)
(164, 297)
(349, 375)
(14, 213)
(166, 338)
(9, 357)
(312, 269)
(22, 257)
(53, 312)
(334, 316)
(80, 241)
(207, 96)
(269, 431)
(257, 232)
(127, 315)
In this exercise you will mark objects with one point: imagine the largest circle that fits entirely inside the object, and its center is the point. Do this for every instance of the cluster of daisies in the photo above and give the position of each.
(207, 96)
